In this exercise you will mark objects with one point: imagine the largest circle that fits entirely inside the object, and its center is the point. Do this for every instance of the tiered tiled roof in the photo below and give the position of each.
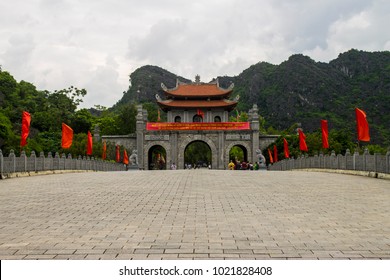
(198, 90)
(197, 95)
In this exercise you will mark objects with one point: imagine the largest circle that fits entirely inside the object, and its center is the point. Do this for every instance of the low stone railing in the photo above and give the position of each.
(13, 164)
(371, 163)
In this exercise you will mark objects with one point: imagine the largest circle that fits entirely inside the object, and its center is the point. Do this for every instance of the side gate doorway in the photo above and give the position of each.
(157, 156)
(238, 153)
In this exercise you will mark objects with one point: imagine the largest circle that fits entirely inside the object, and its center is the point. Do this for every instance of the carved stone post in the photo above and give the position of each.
(33, 160)
(141, 126)
(254, 123)
(365, 157)
(22, 166)
(12, 160)
(41, 162)
(347, 155)
(355, 159)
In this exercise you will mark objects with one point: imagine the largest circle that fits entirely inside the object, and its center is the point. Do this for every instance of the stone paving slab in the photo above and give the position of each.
(195, 214)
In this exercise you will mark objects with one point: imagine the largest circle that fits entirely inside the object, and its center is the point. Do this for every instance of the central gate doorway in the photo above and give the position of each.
(197, 154)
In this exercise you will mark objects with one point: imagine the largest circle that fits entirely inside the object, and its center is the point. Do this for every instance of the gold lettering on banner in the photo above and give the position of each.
(199, 126)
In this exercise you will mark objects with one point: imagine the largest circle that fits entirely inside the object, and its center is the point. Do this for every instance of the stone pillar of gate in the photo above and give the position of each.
(173, 139)
(140, 131)
(221, 149)
(254, 123)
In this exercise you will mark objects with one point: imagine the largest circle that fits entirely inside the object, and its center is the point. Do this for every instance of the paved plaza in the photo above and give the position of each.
(195, 214)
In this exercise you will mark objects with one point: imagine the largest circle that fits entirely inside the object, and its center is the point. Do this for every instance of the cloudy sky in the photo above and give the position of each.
(96, 44)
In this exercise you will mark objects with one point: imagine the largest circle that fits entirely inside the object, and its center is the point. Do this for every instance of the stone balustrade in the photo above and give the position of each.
(22, 164)
(366, 162)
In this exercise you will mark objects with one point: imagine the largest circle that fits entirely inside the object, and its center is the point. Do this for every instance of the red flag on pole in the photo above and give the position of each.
(286, 151)
(324, 129)
(125, 157)
(89, 144)
(67, 136)
(275, 154)
(26, 120)
(271, 160)
(104, 155)
(117, 154)
(302, 141)
(362, 125)
(200, 113)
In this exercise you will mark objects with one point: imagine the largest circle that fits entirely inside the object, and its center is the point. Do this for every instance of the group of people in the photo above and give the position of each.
(197, 165)
(233, 165)
(243, 165)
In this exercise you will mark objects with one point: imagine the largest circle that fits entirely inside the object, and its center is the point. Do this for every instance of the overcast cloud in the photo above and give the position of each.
(96, 44)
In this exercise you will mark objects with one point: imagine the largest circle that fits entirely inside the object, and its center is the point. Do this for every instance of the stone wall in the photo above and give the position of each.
(13, 164)
(266, 140)
(128, 141)
(365, 162)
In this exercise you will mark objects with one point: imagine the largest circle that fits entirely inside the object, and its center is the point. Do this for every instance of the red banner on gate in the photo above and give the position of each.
(198, 126)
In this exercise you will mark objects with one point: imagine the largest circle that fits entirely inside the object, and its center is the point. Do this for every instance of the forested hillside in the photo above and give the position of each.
(300, 90)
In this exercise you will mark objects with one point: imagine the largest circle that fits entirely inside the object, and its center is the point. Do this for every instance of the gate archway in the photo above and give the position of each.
(238, 153)
(198, 154)
(157, 157)
(244, 152)
(187, 139)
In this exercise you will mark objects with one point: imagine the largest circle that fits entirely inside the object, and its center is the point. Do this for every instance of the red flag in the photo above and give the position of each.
(324, 129)
(275, 154)
(67, 136)
(104, 155)
(125, 157)
(271, 160)
(286, 152)
(89, 144)
(117, 154)
(200, 113)
(362, 125)
(302, 141)
(26, 120)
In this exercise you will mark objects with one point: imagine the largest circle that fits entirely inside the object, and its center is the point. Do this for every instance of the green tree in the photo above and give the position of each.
(82, 121)
(7, 137)
(8, 89)
(197, 152)
(126, 119)
(152, 109)
(236, 153)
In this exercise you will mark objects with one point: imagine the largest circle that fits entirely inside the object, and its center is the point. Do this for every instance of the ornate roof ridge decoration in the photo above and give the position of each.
(231, 86)
(164, 87)
(178, 82)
